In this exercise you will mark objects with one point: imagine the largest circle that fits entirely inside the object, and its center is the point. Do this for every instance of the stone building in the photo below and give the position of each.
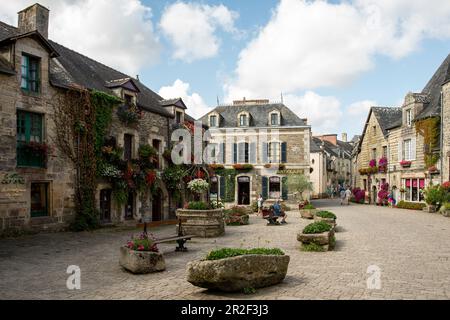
(37, 186)
(412, 161)
(259, 144)
(330, 163)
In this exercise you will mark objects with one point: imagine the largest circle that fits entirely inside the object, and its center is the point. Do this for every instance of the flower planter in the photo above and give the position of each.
(237, 273)
(202, 223)
(324, 239)
(237, 220)
(430, 208)
(307, 213)
(139, 262)
(330, 221)
(446, 213)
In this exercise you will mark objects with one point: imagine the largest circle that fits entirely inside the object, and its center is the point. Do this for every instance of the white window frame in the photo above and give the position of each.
(407, 153)
(408, 115)
(216, 122)
(274, 157)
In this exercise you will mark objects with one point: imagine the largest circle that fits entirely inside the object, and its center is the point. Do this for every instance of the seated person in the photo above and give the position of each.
(278, 212)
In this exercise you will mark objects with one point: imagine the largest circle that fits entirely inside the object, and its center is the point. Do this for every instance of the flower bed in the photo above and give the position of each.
(234, 270)
(411, 205)
(317, 236)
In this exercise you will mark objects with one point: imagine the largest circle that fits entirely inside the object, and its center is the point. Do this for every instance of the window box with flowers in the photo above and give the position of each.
(405, 163)
(32, 154)
(129, 114)
(141, 255)
(243, 167)
(382, 165)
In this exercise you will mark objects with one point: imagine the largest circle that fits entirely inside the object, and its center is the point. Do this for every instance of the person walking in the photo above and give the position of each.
(348, 195)
(342, 196)
(260, 204)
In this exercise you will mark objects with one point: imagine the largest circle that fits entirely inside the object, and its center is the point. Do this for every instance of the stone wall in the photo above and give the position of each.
(446, 132)
(15, 195)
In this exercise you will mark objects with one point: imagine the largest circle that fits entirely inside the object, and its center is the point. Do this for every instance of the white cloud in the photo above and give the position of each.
(194, 102)
(313, 44)
(192, 28)
(360, 108)
(323, 113)
(118, 33)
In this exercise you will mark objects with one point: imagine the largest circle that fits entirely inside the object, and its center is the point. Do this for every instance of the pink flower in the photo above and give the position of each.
(141, 247)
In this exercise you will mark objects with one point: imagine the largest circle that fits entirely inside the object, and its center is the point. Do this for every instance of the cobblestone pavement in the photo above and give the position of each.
(411, 248)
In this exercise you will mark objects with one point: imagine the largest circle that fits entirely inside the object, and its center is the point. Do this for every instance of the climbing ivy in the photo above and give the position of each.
(230, 177)
(430, 130)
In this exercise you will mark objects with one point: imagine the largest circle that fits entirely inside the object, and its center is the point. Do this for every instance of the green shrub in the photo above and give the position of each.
(312, 247)
(147, 151)
(410, 205)
(233, 252)
(435, 195)
(317, 227)
(254, 206)
(326, 215)
(198, 205)
(309, 207)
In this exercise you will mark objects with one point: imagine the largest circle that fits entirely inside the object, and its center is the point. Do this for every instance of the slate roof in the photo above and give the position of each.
(6, 67)
(433, 89)
(388, 117)
(72, 68)
(259, 114)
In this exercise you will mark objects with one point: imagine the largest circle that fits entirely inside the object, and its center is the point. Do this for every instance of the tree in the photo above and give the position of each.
(299, 184)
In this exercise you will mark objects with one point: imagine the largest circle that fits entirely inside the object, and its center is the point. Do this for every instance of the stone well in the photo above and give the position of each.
(202, 223)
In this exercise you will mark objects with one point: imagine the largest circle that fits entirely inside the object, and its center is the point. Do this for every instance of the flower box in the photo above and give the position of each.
(140, 262)
(237, 273)
(405, 164)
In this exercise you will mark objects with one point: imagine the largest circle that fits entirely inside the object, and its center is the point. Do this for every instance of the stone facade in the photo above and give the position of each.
(274, 151)
(446, 132)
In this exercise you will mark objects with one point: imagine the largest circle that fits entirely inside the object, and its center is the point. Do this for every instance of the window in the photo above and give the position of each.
(374, 153)
(385, 149)
(179, 116)
(408, 117)
(407, 151)
(374, 130)
(274, 119)
(39, 200)
(243, 152)
(128, 147)
(29, 130)
(413, 189)
(274, 152)
(213, 121)
(156, 144)
(274, 187)
(30, 74)
(128, 99)
(243, 120)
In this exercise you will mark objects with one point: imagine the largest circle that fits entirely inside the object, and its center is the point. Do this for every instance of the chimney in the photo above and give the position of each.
(34, 18)
(344, 137)
(332, 138)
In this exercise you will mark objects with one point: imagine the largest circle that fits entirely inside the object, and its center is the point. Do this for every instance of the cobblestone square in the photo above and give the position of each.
(412, 249)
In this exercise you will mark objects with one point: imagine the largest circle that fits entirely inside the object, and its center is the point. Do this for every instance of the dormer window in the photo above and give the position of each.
(243, 120)
(409, 117)
(213, 121)
(128, 99)
(30, 74)
(179, 116)
(274, 119)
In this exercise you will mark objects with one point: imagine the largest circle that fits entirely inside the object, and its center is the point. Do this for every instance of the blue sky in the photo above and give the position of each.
(331, 59)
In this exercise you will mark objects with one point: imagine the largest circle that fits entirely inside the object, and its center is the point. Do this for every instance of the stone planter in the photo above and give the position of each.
(202, 223)
(237, 220)
(307, 213)
(446, 213)
(236, 273)
(323, 239)
(430, 208)
(330, 221)
(141, 261)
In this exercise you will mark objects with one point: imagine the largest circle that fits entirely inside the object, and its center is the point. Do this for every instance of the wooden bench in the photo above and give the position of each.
(180, 238)
(269, 216)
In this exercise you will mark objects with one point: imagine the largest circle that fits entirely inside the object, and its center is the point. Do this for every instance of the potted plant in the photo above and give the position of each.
(141, 255)
(198, 186)
(234, 270)
(445, 209)
(327, 217)
(307, 212)
(372, 163)
(317, 236)
(434, 196)
(237, 216)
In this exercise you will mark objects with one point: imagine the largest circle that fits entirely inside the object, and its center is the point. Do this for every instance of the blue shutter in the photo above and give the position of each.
(284, 188)
(264, 151)
(235, 153)
(222, 188)
(224, 159)
(284, 152)
(265, 187)
(252, 155)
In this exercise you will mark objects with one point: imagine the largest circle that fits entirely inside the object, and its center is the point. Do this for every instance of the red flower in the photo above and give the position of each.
(200, 174)
(150, 178)
(141, 247)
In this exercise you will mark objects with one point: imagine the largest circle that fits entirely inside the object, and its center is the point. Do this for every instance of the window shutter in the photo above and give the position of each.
(264, 152)
(252, 155)
(265, 186)
(241, 152)
(235, 153)
(222, 150)
(284, 152)
(284, 188)
(400, 150)
(413, 148)
(222, 188)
